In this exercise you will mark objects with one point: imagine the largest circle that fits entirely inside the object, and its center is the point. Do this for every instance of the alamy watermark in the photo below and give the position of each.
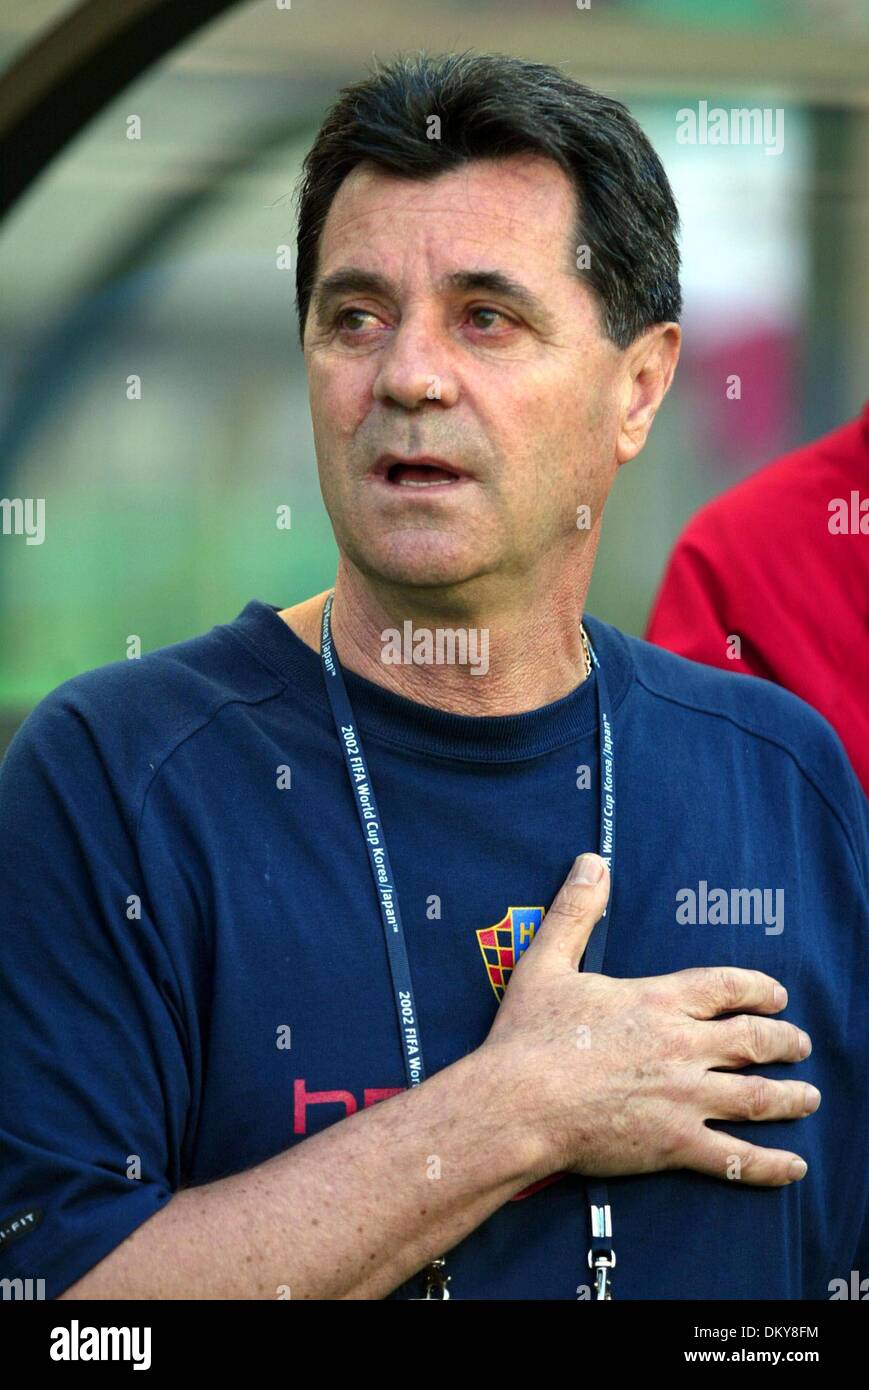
(24, 1289)
(853, 1287)
(738, 125)
(449, 646)
(23, 516)
(849, 516)
(731, 907)
(77, 1343)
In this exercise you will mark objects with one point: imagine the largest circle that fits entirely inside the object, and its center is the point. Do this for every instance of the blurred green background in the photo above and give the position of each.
(161, 258)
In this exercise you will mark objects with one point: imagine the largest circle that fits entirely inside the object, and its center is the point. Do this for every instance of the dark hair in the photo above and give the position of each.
(491, 105)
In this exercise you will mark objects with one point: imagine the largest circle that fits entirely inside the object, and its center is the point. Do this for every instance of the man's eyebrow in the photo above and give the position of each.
(497, 283)
(355, 280)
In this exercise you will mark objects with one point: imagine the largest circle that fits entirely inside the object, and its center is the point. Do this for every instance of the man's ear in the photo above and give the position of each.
(649, 367)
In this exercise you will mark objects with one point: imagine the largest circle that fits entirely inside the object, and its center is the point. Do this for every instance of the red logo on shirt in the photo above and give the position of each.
(303, 1098)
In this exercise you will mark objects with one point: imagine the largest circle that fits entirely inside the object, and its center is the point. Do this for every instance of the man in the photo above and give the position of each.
(213, 864)
(779, 566)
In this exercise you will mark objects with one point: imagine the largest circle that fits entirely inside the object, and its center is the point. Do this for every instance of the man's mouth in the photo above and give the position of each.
(422, 472)
(420, 475)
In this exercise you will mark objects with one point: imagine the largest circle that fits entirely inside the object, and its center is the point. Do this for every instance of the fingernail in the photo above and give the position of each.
(588, 868)
(805, 1044)
(798, 1168)
(813, 1099)
(780, 996)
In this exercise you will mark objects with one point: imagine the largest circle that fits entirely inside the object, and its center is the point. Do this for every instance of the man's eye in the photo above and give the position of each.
(343, 315)
(351, 313)
(485, 309)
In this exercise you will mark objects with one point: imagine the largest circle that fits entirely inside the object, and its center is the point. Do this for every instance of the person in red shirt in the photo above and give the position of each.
(781, 562)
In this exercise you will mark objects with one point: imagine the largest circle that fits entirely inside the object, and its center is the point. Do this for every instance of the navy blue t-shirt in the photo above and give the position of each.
(193, 968)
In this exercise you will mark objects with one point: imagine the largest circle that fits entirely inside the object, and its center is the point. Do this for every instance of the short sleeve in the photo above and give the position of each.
(96, 1085)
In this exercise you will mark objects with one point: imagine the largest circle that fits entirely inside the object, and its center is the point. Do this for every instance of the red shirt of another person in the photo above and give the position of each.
(781, 562)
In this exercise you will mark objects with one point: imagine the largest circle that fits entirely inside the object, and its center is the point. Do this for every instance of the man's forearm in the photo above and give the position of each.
(349, 1213)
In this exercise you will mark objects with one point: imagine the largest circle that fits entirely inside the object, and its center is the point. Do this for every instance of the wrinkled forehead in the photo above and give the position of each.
(518, 205)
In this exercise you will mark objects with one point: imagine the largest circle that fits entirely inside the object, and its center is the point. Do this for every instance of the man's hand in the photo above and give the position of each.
(618, 1076)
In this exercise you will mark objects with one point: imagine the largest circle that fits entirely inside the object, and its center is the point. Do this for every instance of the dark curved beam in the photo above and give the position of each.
(72, 72)
(64, 353)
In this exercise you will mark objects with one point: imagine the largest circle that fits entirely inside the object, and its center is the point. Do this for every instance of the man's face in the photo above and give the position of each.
(523, 394)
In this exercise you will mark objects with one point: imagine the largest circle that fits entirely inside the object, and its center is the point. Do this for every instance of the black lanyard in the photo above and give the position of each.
(601, 1256)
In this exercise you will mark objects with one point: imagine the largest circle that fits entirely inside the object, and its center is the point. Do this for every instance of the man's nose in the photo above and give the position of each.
(416, 364)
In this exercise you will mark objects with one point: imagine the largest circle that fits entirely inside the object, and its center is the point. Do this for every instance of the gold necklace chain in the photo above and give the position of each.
(585, 650)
